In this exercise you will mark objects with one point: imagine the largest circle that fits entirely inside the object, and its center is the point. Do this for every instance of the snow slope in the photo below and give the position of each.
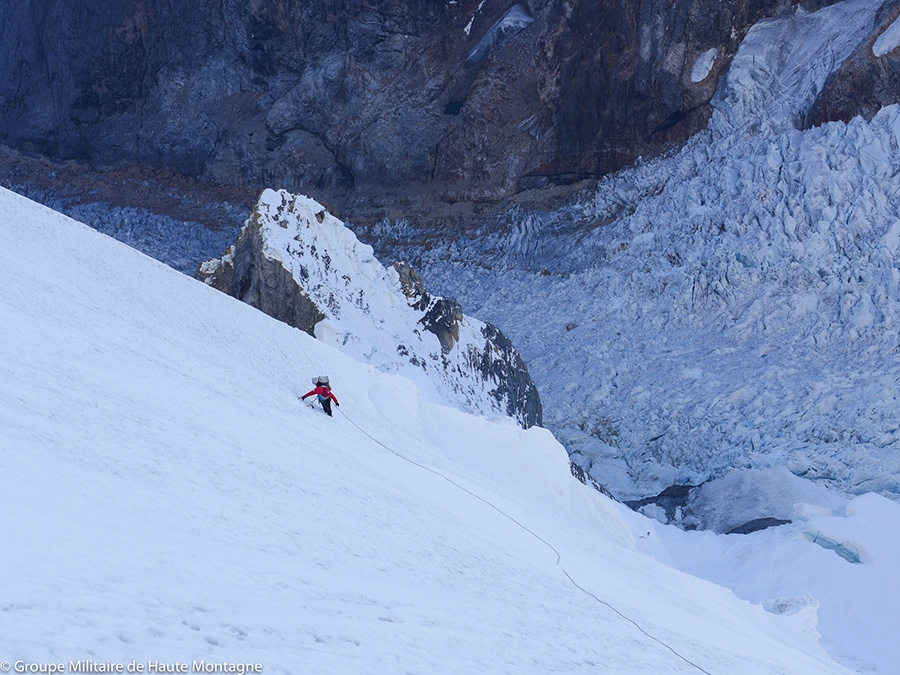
(167, 499)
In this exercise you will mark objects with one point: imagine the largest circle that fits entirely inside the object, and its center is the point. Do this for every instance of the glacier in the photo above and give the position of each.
(731, 304)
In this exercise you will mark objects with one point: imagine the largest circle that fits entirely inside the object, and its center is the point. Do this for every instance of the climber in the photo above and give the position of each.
(323, 392)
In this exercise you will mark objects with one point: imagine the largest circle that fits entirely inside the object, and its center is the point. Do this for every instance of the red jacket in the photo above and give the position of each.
(322, 391)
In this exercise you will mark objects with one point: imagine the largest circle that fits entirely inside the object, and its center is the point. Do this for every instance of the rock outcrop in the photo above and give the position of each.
(473, 99)
(299, 264)
(249, 275)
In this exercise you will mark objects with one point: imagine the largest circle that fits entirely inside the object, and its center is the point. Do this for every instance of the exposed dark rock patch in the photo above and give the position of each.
(503, 364)
(442, 318)
(413, 286)
(584, 477)
(247, 274)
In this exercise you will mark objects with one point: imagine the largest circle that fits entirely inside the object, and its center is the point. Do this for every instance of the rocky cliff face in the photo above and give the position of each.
(299, 264)
(249, 275)
(472, 98)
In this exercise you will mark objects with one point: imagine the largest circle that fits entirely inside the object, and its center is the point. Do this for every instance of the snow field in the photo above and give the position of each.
(165, 496)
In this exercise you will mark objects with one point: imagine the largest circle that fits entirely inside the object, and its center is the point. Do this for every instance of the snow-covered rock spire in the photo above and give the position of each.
(298, 263)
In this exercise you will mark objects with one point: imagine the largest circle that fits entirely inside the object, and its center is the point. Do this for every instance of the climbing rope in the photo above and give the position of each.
(532, 533)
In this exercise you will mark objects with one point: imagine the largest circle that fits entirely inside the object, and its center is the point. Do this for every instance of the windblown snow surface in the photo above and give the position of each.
(166, 499)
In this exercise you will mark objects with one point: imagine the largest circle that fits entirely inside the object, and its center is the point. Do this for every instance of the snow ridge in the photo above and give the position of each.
(380, 315)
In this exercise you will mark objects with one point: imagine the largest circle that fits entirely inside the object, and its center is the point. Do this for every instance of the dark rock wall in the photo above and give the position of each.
(501, 363)
(114, 81)
(371, 94)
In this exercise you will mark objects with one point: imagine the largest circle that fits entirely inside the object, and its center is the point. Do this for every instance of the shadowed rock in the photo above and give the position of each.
(475, 99)
(247, 274)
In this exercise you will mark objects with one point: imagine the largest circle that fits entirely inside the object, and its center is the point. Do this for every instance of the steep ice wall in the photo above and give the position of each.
(782, 65)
